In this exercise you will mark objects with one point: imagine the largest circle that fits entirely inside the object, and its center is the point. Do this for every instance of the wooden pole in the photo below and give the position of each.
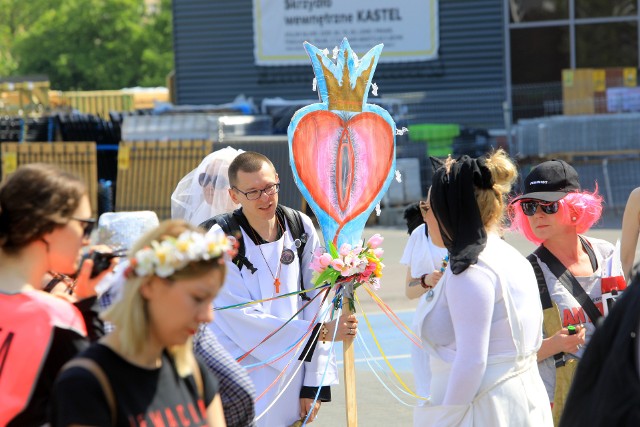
(349, 374)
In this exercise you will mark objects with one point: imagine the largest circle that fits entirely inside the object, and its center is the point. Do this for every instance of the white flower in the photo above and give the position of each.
(190, 245)
(145, 261)
(173, 254)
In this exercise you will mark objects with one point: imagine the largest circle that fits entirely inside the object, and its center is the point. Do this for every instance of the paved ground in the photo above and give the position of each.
(376, 405)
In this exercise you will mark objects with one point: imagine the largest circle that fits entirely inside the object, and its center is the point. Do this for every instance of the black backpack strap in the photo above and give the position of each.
(589, 250)
(300, 237)
(569, 281)
(545, 299)
(229, 224)
(208, 224)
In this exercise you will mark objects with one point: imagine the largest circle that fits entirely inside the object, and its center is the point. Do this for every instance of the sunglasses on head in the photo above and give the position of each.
(88, 225)
(529, 207)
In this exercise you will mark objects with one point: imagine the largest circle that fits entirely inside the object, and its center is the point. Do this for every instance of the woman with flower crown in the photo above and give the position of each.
(144, 372)
(483, 326)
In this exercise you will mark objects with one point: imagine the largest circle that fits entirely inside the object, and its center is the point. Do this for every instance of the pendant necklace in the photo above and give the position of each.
(276, 277)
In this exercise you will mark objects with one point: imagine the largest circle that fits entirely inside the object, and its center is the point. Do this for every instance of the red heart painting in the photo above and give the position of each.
(343, 162)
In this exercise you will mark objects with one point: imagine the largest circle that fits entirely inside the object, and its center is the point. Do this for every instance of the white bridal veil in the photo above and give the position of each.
(203, 192)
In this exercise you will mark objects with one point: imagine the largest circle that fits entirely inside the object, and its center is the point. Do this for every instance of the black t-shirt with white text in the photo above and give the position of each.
(150, 397)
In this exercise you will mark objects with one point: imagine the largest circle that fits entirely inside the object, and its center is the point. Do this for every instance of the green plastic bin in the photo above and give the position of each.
(437, 137)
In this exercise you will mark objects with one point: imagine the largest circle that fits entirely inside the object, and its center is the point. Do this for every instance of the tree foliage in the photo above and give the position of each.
(89, 44)
(15, 17)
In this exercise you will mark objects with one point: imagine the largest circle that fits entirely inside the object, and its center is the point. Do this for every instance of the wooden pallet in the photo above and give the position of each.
(78, 158)
(149, 171)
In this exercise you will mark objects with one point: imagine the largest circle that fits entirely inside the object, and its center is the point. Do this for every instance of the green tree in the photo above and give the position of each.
(16, 16)
(93, 45)
(157, 56)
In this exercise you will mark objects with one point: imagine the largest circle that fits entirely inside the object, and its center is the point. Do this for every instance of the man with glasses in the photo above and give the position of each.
(273, 329)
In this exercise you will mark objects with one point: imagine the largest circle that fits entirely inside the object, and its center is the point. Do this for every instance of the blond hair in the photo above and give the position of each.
(130, 315)
(493, 202)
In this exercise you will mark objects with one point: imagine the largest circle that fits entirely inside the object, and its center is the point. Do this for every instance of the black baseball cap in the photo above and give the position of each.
(550, 181)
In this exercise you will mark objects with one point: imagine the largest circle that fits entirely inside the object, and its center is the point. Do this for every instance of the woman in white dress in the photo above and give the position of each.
(483, 325)
(424, 262)
(204, 192)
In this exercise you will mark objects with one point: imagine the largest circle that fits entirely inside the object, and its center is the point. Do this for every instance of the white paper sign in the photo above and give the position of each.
(407, 28)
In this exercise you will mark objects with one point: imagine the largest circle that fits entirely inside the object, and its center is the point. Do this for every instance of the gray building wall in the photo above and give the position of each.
(213, 43)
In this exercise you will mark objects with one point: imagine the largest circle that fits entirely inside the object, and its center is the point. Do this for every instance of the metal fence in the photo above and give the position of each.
(604, 147)
(610, 134)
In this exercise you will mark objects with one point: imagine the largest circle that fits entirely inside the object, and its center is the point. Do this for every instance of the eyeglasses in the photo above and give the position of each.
(88, 225)
(269, 190)
(204, 179)
(530, 207)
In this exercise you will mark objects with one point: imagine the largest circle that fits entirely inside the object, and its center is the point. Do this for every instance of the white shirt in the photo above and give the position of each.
(468, 324)
(420, 254)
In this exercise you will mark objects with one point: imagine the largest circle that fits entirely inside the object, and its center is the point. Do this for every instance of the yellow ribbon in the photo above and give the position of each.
(384, 356)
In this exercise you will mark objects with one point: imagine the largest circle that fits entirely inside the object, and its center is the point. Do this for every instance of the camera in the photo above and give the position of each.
(101, 261)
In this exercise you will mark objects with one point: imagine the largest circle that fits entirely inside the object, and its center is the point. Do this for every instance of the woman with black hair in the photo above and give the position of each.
(45, 220)
(483, 326)
(425, 265)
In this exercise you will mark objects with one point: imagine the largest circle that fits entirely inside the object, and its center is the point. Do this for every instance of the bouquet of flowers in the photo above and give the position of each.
(349, 266)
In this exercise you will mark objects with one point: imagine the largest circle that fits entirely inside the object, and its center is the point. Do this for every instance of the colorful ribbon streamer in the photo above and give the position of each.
(384, 356)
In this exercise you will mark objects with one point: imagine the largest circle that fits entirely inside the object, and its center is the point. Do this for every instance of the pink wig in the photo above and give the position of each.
(584, 206)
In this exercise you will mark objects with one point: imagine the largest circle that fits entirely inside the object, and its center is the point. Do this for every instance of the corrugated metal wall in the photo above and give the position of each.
(214, 62)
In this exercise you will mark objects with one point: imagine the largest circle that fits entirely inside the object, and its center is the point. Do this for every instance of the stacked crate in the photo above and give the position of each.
(590, 90)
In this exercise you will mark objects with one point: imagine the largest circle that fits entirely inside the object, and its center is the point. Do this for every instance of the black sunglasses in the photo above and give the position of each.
(204, 179)
(530, 207)
(88, 225)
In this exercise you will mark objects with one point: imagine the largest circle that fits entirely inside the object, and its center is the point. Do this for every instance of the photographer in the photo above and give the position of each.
(45, 220)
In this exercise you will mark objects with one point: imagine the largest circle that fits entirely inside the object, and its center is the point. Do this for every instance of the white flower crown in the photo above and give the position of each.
(172, 254)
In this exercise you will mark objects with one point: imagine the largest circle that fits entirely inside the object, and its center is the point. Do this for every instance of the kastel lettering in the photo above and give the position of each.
(377, 15)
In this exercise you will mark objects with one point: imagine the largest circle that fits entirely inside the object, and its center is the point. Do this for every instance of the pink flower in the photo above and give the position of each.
(371, 267)
(375, 284)
(356, 250)
(315, 266)
(345, 249)
(375, 241)
(338, 264)
(378, 252)
(325, 259)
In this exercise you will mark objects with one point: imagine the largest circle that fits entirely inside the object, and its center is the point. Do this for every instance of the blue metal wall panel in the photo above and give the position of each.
(213, 42)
